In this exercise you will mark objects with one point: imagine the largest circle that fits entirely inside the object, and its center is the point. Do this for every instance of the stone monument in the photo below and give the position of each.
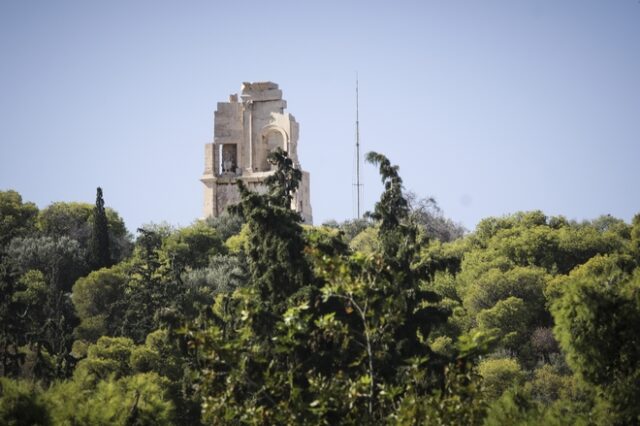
(245, 132)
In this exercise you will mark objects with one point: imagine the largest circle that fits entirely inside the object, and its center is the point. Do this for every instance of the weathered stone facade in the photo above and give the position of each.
(245, 131)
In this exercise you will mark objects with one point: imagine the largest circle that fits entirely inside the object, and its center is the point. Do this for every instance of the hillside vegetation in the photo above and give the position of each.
(252, 318)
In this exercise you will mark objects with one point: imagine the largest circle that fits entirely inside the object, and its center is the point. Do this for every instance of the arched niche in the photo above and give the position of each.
(272, 137)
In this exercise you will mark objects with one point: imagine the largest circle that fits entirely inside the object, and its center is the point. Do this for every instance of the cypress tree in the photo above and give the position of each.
(100, 256)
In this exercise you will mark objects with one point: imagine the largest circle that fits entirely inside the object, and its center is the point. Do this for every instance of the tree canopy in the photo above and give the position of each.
(402, 317)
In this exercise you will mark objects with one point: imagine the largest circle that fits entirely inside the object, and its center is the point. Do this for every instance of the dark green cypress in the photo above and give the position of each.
(100, 256)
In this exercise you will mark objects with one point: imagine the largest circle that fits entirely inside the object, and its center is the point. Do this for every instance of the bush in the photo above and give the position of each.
(499, 375)
(21, 404)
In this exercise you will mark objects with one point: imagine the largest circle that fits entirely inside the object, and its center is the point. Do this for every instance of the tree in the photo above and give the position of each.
(345, 345)
(427, 213)
(99, 300)
(635, 237)
(61, 260)
(99, 244)
(596, 325)
(512, 319)
(21, 404)
(192, 247)
(350, 228)
(75, 221)
(49, 266)
(150, 288)
(275, 238)
(139, 399)
(17, 219)
(499, 375)
(226, 225)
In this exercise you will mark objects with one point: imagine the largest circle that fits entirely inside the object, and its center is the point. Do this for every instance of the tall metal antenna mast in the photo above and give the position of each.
(357, 150)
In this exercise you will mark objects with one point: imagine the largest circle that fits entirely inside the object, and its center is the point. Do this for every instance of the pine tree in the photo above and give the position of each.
(275, 263)
(100, 256)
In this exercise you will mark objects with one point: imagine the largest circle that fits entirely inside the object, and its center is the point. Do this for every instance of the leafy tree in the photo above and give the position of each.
(12, 326)
(461, 402)
(350, 228)
(547, 386)
(74, 220)
(226, 225)
(41, 327)
(499, 375)
(140, 399)
(164, 355)
(99, 300)
(275, 239)
(17, 219)
(150, 288)
(366, 242)
(48, 326)
(493, 286)
(533, 239)
(635, 237)
(224, 273)
(511, 318)
(596, 319)
(99, 243)
(191, 248)
(342, 346)
(21, 404)
(108, 357)
(61, 259)
(160, 362)
(517, 407)
(426, 213)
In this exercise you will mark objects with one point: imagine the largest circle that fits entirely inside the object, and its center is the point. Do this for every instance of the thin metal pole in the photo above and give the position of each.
(357, 149)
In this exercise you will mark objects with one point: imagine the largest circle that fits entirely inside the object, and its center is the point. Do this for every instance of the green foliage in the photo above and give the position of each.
(516, 407)
(21, 404)
(511, 318)
(226, 225)
(547, 386)
(151, 288)
(393, 206)
(191, 247)
(444, 257)
(499, 375)
(140, 399)
(596, 319)
(238, 243)
(366, 242)
(44, 313)
(97, 299)
(428, 215)
(460, 403)
(109, 357)
(75, 221)
(99, 256)
(635, 237)
(275, 238)
(532, 239)
(17, 219)
(350, 228)
(60, 259)
(345, 345)
(373, 321)
(224, 273)
(527, 284)
(325, 239)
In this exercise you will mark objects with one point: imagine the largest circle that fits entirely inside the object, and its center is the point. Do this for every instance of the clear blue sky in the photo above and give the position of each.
(489, 106)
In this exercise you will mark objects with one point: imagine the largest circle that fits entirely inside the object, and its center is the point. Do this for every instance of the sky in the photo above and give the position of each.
(489, 106)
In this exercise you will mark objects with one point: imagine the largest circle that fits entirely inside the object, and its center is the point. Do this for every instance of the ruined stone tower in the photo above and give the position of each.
(245, 132)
